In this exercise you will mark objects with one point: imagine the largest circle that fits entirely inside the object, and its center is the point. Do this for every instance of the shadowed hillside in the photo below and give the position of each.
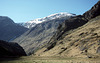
(10, 49)
(10, 30)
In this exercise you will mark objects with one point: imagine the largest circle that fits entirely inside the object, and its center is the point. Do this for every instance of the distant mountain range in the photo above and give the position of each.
(32, 23)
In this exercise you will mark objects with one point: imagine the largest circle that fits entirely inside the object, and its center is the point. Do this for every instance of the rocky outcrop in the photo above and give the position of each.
(70, 24)
(10, 49)
(10, 30)
(93, 12)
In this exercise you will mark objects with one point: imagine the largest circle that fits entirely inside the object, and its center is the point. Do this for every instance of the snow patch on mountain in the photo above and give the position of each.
(32, 23)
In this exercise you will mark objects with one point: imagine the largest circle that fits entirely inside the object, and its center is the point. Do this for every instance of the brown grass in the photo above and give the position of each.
(37, 59)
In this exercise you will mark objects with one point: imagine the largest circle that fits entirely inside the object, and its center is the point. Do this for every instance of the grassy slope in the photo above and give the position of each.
(81, 42)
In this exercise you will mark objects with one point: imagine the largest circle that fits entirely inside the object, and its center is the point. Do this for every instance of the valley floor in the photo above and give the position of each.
(33, 59)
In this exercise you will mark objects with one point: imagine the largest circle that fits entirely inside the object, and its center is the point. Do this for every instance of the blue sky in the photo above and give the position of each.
(26, 10)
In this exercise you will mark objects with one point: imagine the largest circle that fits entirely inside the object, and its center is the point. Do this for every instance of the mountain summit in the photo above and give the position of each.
(32, 23)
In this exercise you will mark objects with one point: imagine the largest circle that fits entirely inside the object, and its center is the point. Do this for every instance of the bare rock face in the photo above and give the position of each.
(10, 49)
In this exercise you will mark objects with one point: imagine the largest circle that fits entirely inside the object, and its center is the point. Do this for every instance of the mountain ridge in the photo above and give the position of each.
(32, 23)
(10, 30)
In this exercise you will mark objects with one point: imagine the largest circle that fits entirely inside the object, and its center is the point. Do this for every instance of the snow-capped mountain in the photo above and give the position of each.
(32, 23)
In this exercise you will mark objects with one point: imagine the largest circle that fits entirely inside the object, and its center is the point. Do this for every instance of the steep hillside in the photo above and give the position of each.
(39, 35)
(81, 42)
(77, 21)
(9, 30)
(73, 40)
